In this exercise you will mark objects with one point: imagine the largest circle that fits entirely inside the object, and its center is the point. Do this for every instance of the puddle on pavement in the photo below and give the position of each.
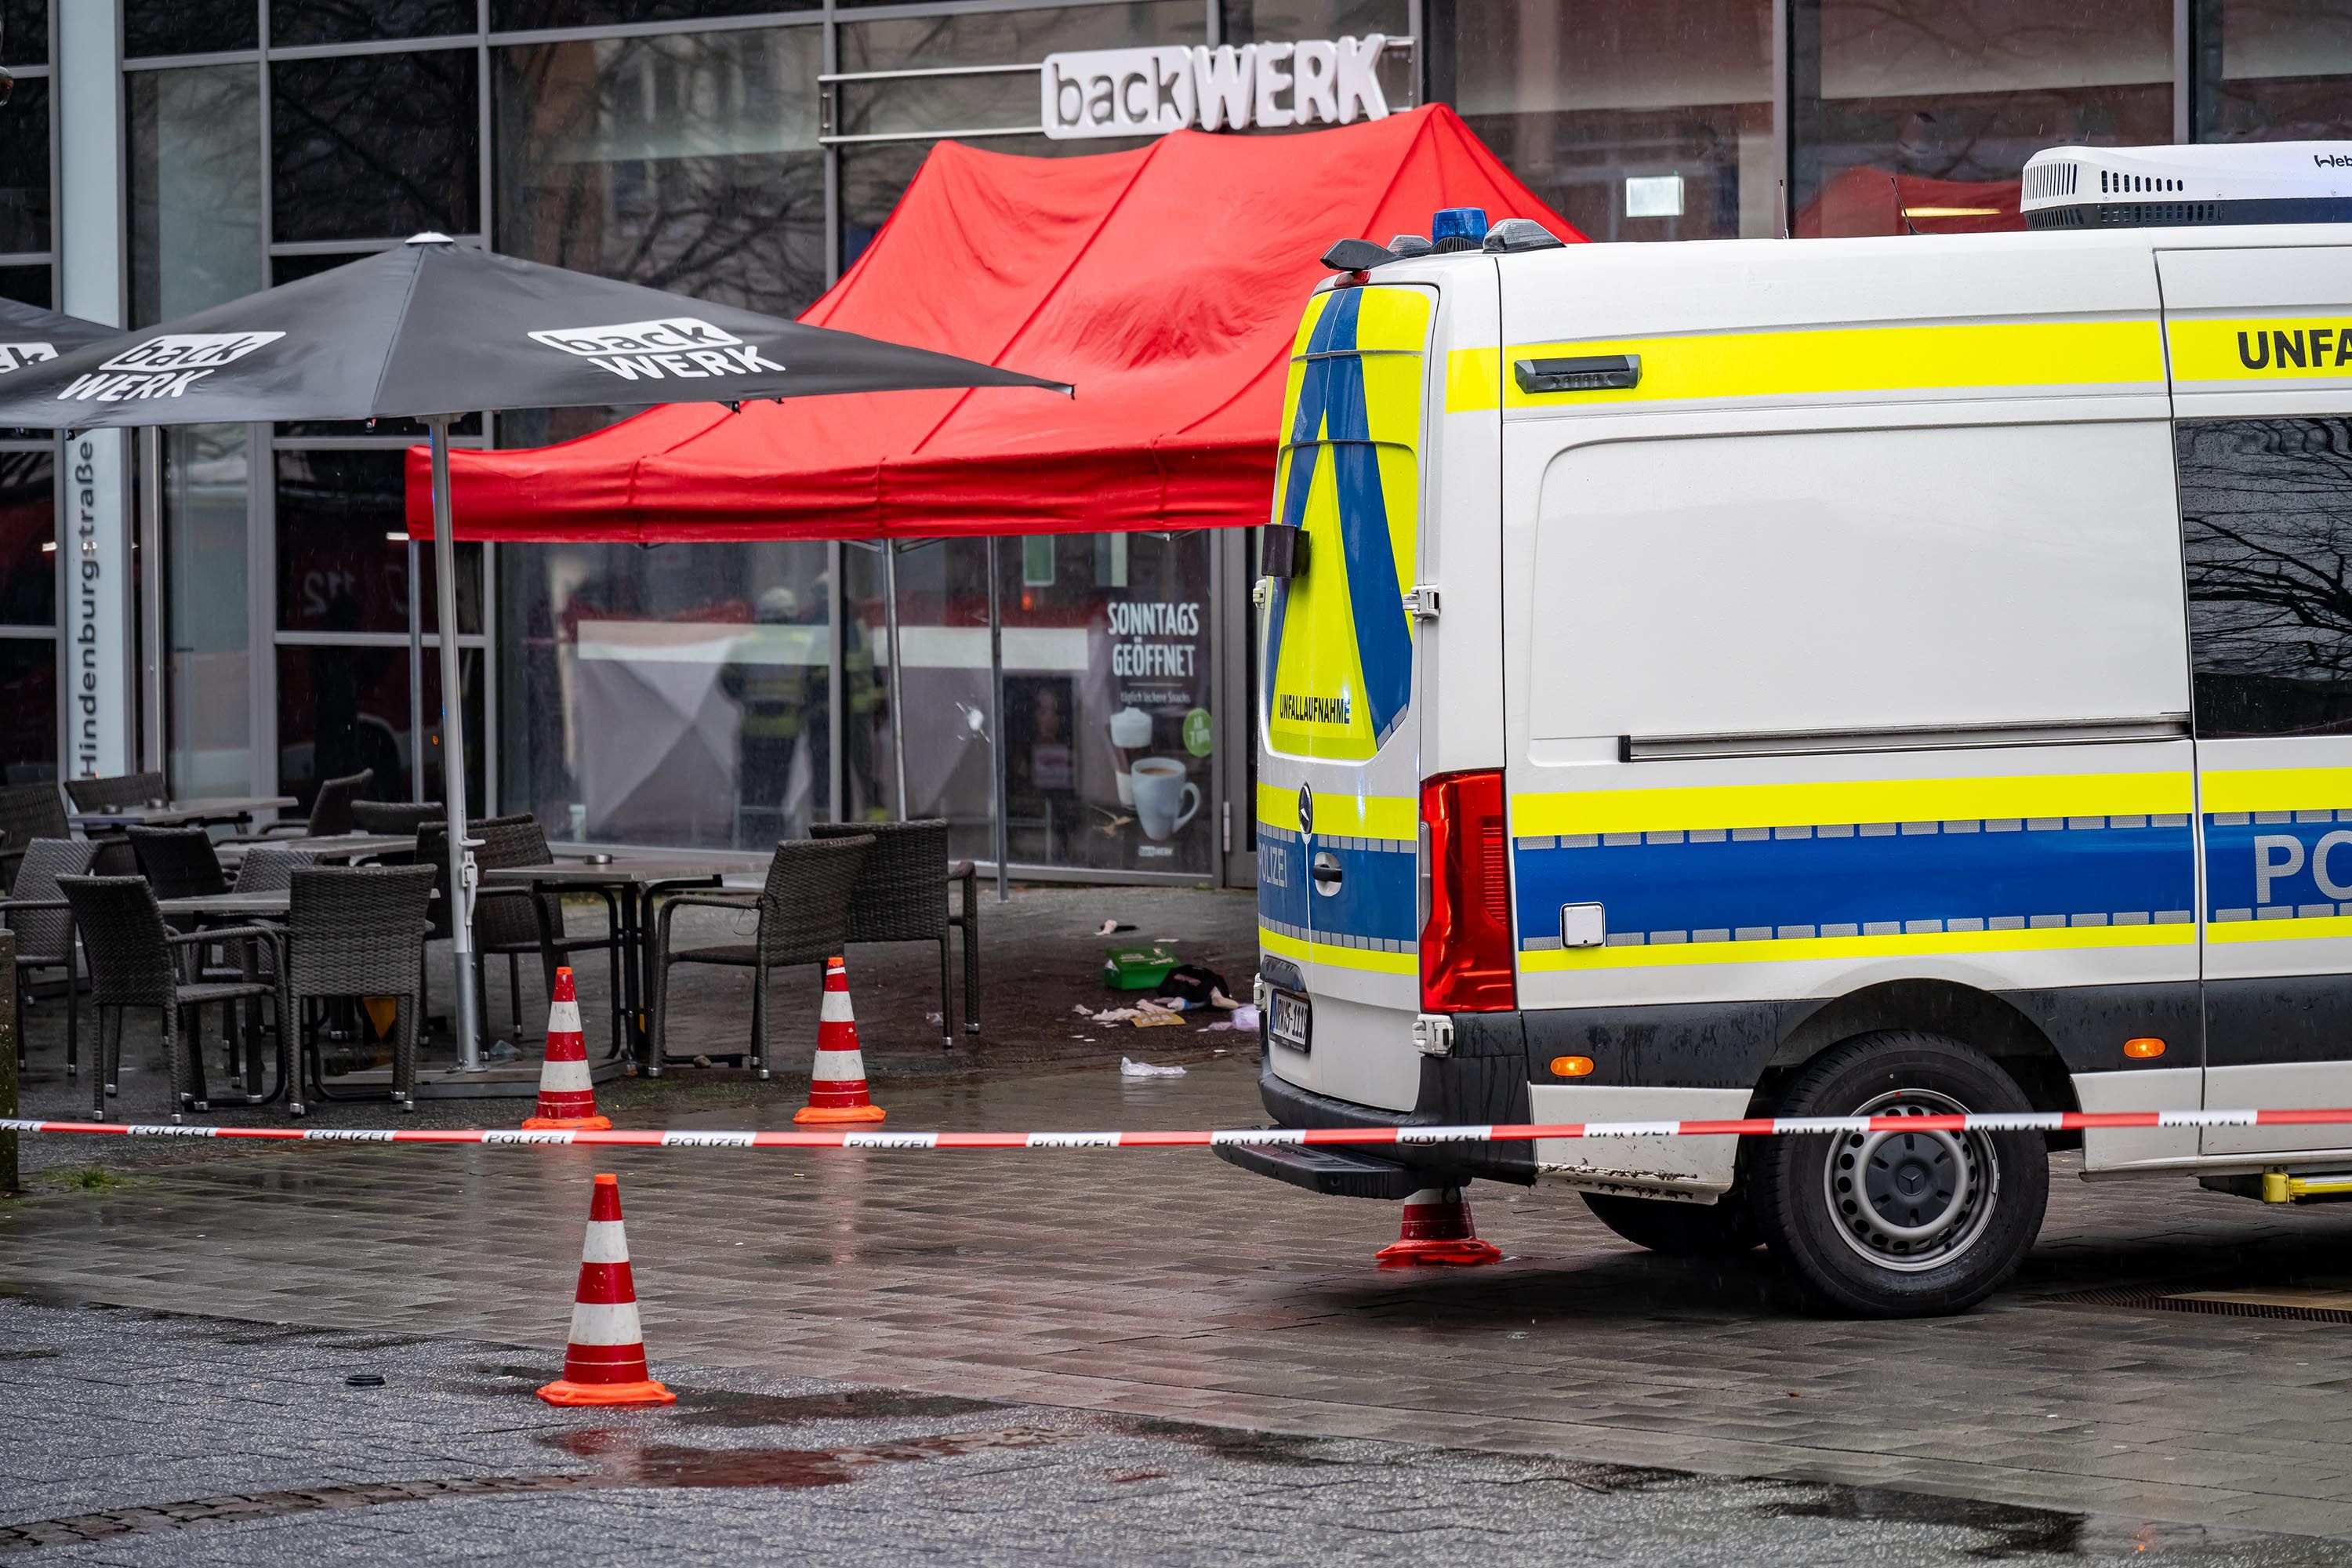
(2010, 1530)
(619, 1459)
(726, 1409)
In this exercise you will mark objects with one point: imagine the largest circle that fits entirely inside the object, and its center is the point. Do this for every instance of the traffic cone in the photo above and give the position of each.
(567, 1096)
(604, 1363)
(1437, 1233)
(837, 1082)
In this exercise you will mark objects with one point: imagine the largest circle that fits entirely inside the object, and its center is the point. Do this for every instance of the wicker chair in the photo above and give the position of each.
(37, 912)
(270, 867)
(359, 931)
(133, 962)
(510, 921)
(804, 917)
(27, 812)
(902, 896)
(178, 862)
(123, 790)
(394, 816)
(433, 850)
(330, 813)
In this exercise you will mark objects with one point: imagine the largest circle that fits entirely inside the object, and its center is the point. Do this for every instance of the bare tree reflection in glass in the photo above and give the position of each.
(2266, 525)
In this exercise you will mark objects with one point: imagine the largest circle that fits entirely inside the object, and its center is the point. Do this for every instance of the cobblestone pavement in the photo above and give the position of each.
(1167, 1284)
(190, 1441)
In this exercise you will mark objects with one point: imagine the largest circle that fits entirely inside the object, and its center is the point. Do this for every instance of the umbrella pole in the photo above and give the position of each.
(996, 723)
(898, 704)
(462, 957)
(415, 673)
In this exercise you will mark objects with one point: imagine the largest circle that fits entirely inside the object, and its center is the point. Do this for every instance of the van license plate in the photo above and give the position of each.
(1288, 1023)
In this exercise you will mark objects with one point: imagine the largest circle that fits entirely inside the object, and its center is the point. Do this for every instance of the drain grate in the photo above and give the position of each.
(2165, 1302)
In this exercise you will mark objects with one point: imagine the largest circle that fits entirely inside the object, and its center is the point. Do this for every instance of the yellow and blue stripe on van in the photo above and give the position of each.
(1775, 872)
(1370, 919)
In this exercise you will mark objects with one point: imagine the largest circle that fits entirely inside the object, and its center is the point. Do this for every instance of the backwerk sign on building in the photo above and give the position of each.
(1150, 93)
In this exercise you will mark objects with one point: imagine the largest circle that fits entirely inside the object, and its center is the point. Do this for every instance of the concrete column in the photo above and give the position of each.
(98, 616)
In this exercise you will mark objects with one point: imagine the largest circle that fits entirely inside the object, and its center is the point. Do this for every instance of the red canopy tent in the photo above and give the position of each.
(1165, 283)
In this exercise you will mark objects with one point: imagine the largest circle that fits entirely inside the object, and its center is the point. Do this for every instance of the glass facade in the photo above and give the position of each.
(748, 151)
(30, 567)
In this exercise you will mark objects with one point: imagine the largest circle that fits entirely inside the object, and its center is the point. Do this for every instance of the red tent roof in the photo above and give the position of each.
(1166, 283)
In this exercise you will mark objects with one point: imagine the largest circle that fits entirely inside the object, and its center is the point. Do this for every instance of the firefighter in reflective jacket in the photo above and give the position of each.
(772, 693)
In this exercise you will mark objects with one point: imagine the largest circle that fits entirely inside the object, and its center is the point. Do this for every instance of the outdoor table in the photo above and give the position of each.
(630, 888)
(173, 813)
(332, 848)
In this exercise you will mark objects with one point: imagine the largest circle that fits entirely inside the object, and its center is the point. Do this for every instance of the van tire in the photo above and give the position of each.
(1837, 1209)
(1679, 1229)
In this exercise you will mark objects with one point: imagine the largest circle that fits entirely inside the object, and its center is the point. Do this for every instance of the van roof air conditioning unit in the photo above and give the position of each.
(2164, 187)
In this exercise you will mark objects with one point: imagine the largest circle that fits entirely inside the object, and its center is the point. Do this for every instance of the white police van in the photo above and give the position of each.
(1875, 675)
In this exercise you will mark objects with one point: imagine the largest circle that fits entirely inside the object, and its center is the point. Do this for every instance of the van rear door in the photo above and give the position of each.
(1338, 771)
(2262, 385)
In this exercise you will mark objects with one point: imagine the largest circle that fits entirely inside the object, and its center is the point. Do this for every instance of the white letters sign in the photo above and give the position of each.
(1148, 92)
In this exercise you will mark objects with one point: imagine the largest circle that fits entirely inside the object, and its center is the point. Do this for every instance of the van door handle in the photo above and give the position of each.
(1326, 872)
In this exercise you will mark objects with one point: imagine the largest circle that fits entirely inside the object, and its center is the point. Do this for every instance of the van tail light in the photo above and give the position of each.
(1466, 942)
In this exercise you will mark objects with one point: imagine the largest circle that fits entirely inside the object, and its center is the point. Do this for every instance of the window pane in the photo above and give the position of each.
(688, 163)
(30, 284)
(518, 14)
(1633, 119)
(196, 188)
(29, 532)
(1285, 21)
(342, 556)
(1930, 108)
(25, 168)
(2272, 70)
(671, 696)
(2266, 523)
(188, 27)
(25, 32)
(28, 695)
(1006, 37)
(1119, 637)
(207, 714)
(375, 146)
(343, 709)
(297, 22)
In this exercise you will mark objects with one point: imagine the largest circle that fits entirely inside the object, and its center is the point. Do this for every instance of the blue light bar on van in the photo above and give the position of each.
(1458, 228)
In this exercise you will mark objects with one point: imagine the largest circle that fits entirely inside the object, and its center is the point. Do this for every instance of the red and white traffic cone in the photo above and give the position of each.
(837, 1082)
(567, 1096)
(604, 1363)
(1437, 1233)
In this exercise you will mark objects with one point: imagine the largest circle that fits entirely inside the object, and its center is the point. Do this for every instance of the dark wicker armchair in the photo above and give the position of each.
(330, 813)
(513, 922)
(27, 812)
(178, 862)
(902, 896)
(359, 931)
(394, 816)
(37, 912)
(134, 963)
(803, 918)
(116, 793)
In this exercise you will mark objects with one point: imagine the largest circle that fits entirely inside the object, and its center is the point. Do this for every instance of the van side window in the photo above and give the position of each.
(2266, 534)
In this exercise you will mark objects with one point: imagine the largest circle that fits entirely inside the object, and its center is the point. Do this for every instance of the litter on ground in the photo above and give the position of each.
(1130, 1068)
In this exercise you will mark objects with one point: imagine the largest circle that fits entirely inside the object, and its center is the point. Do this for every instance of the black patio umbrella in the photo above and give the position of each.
(29, 335)
(431, 330)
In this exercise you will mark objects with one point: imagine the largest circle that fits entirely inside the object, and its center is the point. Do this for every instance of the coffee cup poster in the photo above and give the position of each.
(1117, 771)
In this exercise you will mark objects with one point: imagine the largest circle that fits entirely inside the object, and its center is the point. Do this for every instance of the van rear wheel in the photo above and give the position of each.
(1679, 1229)
(1894, 1224)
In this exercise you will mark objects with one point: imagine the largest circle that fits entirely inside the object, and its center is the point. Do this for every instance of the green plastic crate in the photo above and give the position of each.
(1136, 968)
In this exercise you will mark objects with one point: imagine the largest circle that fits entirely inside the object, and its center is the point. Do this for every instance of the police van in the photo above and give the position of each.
(1887, 676)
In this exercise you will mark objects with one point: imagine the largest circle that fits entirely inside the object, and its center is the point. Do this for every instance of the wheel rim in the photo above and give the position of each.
(1911, 1201)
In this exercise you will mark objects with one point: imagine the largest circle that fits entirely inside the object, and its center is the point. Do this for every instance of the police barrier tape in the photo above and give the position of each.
(1501, 1133)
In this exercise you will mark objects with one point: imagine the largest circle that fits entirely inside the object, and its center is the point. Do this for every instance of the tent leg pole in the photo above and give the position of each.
(467, 1003)
(898, 704)
(415, 673)
(996, 723)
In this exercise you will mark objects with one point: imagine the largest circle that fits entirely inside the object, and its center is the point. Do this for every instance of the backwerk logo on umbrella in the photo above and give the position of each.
(164, 366)
(679, 346)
